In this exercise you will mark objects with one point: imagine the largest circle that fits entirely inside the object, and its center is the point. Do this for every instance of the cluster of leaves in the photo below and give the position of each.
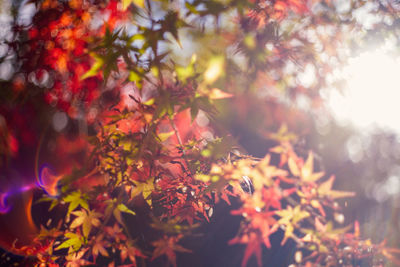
(151, 152)
(296, 200)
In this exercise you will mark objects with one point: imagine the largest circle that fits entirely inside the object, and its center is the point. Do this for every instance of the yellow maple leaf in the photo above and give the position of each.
(289, 218)
(325, 189)
(307, 171)
(127, 3)
(145, 189)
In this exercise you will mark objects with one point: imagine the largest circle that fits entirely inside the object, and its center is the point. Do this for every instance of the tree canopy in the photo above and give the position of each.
(131, 130)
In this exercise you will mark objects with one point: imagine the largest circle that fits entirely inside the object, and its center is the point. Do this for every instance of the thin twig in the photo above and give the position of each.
(178, 136)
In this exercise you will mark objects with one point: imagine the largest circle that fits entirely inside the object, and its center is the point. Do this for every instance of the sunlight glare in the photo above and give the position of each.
(371, 97)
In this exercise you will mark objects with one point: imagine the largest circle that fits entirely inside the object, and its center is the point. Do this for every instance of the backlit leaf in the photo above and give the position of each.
(87, 219)
(97, 65)
(125, 209)
(215, 69)
(164, 136)
(325, 189)
(216, 93)
(73, 243)
(294, 169)
(76, 199)
(127, 3)
(145, 189)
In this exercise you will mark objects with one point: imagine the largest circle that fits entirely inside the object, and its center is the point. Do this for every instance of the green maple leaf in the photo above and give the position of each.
(121, 208)
(97, 65)
(73, 243)
(116, 210)
(76, 199)
(289, 218)
(145, 189)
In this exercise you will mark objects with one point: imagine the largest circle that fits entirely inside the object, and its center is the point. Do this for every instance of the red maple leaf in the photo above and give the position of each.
(168, 246)
(253, 246)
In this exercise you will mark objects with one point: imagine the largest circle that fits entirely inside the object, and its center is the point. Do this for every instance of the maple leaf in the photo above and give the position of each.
(186, 209)
(261, 223)
(306, 171)
(324, 189)
(216, 93)
(73, 243)
(167, 246)
(87, 219)
(253, 243)
(75, 259)
(272, 196)
(172, 226)
(121, 208)
(285, 151)
(283, 135)
(327, 231)
(294, 169)
(299, 6)
(115, 232)
(46, 260)
(96, 67)
(76, 199)
(289, 218)
(98, 246)
(324, 231)
(253, 247)
(48, 233)
(172, 23)
(164, 136)
(263, 173)
(266, 224)
(116, 210)
(145, 189)
(253, 204)
(127, 3)
(131, 252)
(214, 70)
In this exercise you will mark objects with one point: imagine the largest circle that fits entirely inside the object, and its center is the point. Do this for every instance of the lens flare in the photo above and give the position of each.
(48, 181)
(5, 204)
(4, 207)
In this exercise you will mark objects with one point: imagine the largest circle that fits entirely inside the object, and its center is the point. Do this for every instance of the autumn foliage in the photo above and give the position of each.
(133, 139)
